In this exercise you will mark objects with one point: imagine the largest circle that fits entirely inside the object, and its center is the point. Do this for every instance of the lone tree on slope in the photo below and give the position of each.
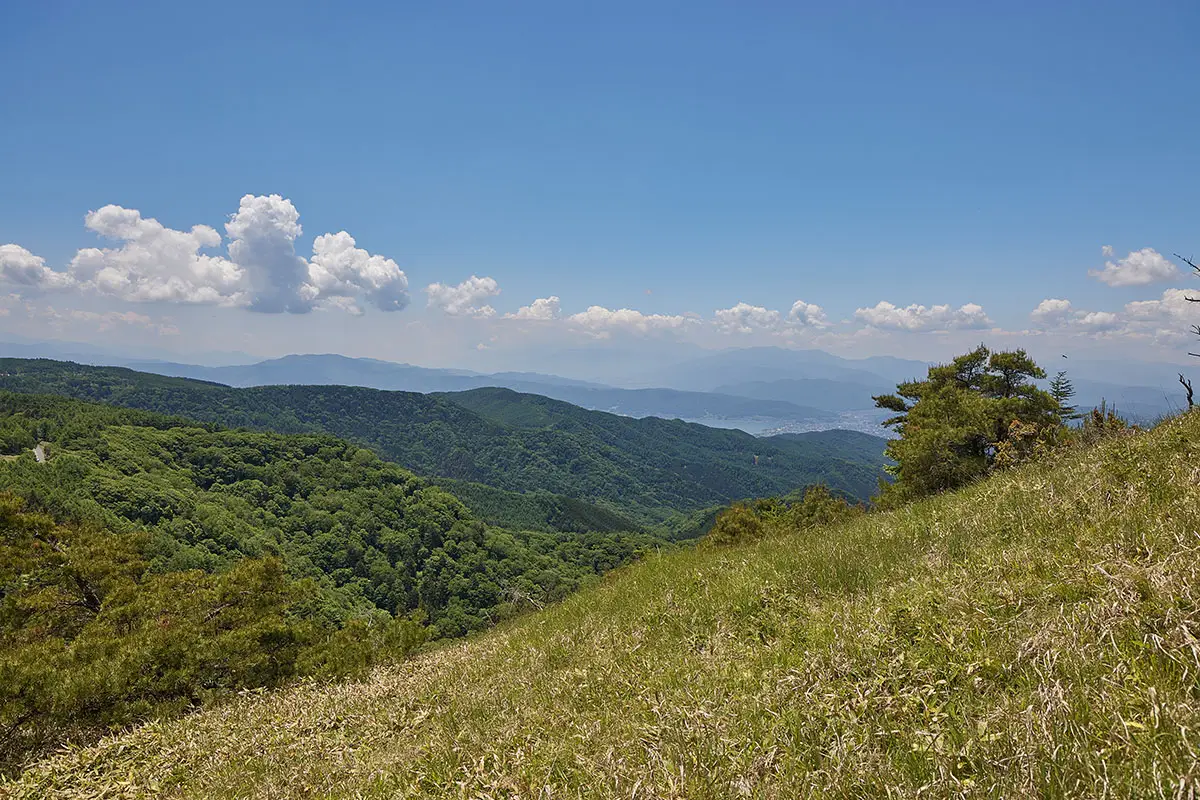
(1062, 390)
(955, 422)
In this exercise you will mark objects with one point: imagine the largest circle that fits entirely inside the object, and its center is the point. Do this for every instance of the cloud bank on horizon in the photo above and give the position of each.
(255, 267)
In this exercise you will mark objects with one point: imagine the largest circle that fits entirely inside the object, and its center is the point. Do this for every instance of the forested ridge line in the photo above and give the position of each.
(644, 469)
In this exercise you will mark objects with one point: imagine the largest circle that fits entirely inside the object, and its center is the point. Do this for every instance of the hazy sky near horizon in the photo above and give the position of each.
(473, 184)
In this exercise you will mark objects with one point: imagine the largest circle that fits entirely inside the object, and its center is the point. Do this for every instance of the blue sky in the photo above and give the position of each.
(674, 160)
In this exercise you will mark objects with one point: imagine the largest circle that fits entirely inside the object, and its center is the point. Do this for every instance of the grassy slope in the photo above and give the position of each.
(1036, 634)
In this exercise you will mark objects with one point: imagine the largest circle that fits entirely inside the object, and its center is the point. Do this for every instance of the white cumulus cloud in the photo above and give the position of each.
(465, 299)
(1058, 313)
(1139, 268)
(922, 318)
(263, 236)
(1173, 308)
(745, 318)
(155, 263)
(601, 321)
(151, 263)
(809, 314)
(544, 308)
(19, 267)
(1097, 321)
(339, 270)
(1052, 311)
(1166, 319)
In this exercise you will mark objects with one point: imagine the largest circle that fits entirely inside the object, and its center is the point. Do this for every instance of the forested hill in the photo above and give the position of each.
(373, 535)
(640, 467)
(151, 563)
(840, 444)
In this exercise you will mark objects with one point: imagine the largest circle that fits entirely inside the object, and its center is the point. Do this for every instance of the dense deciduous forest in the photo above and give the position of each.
(645, 469)
(152, 562)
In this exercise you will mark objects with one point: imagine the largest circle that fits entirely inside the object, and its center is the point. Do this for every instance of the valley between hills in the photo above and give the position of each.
(298, 590)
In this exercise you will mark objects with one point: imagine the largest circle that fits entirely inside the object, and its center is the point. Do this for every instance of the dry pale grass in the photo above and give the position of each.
(1035, 635)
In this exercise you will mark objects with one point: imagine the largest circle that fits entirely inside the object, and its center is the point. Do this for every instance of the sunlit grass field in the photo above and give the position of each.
(1037, 634)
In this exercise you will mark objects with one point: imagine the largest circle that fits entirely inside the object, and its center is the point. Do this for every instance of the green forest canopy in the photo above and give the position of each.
(373, 535)
(645, 469)
(151, 562)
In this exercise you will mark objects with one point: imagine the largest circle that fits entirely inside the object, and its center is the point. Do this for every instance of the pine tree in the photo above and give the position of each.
(1062, 390)
(953, 423)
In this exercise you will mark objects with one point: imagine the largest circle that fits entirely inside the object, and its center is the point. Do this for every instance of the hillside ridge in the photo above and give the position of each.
(1033, 634)
(644, 469)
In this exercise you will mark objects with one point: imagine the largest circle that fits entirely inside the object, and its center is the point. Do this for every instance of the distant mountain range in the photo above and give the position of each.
(15, 346)
(766, 364)
(643, 469)
(776, 388)
(335, 370)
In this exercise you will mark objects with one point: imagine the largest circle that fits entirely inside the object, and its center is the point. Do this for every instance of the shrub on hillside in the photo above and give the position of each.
(748, 522)
(1102, 423)
(1026, 442)
(820, 506)
(735, 525)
